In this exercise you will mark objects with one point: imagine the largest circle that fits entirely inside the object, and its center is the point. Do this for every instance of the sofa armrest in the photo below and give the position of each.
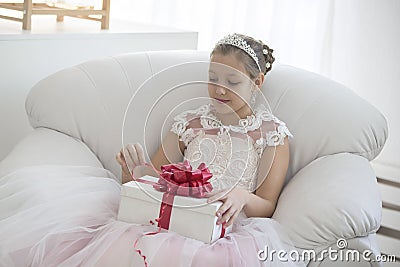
(46, 146)
(333, 197)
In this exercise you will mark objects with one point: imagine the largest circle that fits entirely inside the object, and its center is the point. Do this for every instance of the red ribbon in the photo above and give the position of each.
(178, 179)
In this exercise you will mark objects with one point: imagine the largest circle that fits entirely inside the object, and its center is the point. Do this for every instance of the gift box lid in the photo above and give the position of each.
(146, 192)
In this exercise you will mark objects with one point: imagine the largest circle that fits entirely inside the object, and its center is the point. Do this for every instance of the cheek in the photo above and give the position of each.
(211, 90)
(242, 94)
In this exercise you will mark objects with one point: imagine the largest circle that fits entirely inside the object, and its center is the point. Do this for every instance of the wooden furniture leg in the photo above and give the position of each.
(27, 17)
(105, 19)
(28, 8)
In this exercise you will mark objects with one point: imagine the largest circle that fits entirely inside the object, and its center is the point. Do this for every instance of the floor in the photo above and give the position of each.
(389, 232)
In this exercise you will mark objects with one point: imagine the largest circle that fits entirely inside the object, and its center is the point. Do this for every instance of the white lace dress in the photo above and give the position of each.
(232, 153)
(63, 216)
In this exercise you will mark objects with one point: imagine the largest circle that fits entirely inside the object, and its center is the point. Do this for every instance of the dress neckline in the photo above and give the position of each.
(252, 122)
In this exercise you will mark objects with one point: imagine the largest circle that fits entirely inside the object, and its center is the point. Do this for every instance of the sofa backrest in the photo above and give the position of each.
(89, 101)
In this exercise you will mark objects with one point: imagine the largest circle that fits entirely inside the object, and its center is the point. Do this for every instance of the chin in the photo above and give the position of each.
(222, 108)
(226, 110)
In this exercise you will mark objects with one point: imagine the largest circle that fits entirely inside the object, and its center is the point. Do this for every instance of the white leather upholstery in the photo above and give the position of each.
(333, 197)
(324, 116)
(88, 101)
(45, 146)
(331, 191)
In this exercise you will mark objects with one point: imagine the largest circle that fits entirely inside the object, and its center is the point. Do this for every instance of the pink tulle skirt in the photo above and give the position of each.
(66, 216)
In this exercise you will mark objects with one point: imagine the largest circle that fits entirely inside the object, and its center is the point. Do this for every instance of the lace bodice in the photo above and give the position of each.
(231, 152)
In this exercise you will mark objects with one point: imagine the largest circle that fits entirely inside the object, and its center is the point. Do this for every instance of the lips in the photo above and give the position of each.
(222, 100)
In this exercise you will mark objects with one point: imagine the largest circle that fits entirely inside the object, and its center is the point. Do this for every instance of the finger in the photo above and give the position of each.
(221, 212)
(123, 165)
(133, 154)
(119, 159)
(227, 215)
(125, 169)
(121, 154)
(128, 160)
(232, 219)
(140, 153)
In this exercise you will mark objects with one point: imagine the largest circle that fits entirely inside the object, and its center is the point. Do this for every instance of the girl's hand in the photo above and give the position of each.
(126, 176)
(129, 158)
(234, 202)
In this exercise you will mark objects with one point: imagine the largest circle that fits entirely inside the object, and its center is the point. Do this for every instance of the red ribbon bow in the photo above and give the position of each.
(180, 179)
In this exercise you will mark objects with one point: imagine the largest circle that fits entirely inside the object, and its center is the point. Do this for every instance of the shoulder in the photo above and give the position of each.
(189, 119)
(184, 123)
(274, 132)
(271, 132)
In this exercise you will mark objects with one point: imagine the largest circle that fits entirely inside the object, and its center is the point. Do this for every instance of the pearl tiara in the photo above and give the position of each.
(237, 41)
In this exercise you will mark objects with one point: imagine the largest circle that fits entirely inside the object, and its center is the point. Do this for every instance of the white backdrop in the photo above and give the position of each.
(355, 42)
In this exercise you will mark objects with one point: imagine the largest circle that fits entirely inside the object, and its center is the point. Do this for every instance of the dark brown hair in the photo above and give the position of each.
(249, 63)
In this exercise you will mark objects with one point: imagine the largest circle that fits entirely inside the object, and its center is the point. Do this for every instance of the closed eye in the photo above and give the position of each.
(233, 83)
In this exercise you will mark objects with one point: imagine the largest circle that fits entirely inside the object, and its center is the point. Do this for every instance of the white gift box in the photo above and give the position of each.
(191, 217)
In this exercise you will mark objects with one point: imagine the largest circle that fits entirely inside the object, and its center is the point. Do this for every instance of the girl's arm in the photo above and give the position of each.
(171, 150)
(271, 177)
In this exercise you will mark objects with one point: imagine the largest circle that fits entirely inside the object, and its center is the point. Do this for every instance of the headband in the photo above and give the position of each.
(239, 42)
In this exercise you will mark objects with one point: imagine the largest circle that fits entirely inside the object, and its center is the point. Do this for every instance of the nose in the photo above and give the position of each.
(220, 90)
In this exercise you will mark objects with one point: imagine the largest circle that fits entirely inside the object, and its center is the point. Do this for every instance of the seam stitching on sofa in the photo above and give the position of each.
(149, 61)
(280, 99)
(82, 68)
(94, 85)
(368, 151)
(125, 74)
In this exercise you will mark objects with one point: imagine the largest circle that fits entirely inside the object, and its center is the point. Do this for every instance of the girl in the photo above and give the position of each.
(243, 76)
(249, 180)
(65, 216)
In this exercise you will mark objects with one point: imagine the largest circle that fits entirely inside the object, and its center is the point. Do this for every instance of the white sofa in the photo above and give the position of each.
(331, 190)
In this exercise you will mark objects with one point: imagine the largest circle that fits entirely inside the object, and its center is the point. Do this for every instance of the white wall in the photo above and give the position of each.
(366, 58)
(27, 58)
(355, 42)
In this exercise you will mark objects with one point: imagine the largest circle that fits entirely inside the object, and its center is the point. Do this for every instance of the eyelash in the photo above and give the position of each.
(231, 83)
(216, 80)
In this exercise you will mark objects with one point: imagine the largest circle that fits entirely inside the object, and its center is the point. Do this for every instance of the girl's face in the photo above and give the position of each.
(229, 84)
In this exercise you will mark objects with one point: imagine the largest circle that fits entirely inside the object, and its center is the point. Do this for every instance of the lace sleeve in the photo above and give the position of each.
(181, 124)
(273, 137)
